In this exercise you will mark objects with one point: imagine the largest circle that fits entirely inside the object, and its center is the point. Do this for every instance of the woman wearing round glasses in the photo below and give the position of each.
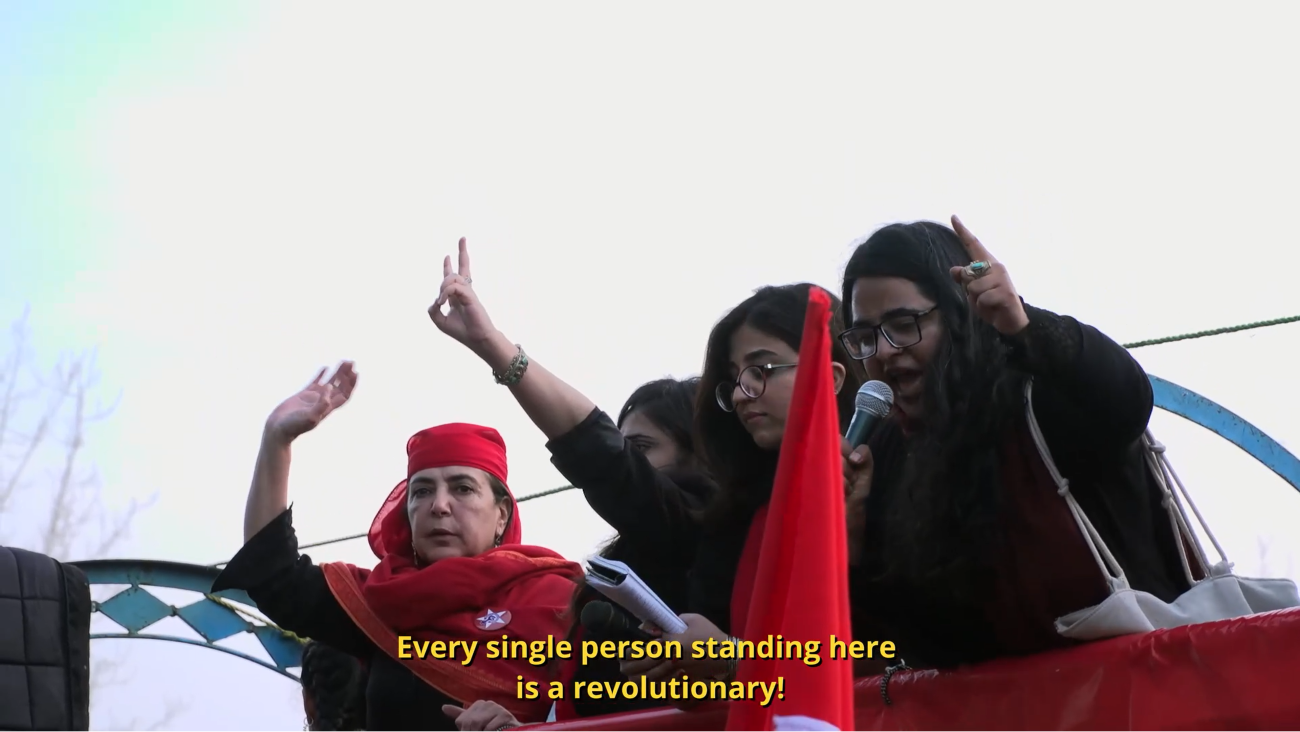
(745, 391)
(969, 552)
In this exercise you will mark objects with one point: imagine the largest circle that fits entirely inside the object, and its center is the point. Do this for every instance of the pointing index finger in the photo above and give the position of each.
(452, 711)
(463, 269)
(973, 246)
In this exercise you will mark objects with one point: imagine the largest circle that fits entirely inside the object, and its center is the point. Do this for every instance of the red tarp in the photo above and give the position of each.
(1233, 674)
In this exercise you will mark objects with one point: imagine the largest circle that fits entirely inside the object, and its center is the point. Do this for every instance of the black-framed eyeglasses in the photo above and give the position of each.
(902, 331)
(752, 381)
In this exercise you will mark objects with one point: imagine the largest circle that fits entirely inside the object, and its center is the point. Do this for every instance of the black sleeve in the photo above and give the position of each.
(290, 590)
(641, 503)
(1090, 394)
(713, 577)
(713, 573)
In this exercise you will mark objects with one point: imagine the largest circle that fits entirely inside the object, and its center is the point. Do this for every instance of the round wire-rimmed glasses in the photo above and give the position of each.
(752, 381)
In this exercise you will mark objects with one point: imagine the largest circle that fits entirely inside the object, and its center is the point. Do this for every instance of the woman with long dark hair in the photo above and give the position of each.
(969, 552)
(745, 389)
(656, 422)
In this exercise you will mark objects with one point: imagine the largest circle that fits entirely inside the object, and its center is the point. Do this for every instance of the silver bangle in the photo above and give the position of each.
(515, 371)
(733, 663)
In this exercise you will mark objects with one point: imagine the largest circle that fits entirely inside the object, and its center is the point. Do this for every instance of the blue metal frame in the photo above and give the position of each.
(1219, 420)
(135, 609)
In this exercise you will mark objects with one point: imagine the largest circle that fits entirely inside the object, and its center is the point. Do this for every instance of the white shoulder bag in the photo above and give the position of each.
(1220, 596)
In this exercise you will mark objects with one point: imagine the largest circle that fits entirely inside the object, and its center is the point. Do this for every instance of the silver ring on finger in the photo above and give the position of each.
(978, 269)
(469, 280)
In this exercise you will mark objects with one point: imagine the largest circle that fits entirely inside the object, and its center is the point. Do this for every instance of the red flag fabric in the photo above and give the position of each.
(1229, 674)
(801, 590)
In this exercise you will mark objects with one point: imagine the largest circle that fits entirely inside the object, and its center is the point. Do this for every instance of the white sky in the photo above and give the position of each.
(284, 196)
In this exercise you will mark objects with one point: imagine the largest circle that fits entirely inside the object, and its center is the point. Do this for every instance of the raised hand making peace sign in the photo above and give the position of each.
(988, 286)
(466, 320)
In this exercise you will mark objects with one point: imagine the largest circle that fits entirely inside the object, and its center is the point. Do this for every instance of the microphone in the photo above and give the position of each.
(872, 405)
(605, 621)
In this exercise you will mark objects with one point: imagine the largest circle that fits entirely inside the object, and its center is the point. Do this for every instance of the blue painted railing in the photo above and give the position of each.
(212, 618)
(1221, 421)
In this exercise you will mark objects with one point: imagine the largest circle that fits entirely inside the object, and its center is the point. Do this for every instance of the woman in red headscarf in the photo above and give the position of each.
(451, 568)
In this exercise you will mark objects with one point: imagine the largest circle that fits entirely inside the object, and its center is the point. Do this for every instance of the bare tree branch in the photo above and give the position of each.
(172, 709)
(10, 371)
(44, 419)
(1262, 547)
(57, 537)
(45, 472)
(105, 671)
(1264, 568)
(23, 446)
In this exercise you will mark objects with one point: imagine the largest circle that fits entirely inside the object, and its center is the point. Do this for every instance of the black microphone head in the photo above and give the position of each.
(875, 397)
(597, 614)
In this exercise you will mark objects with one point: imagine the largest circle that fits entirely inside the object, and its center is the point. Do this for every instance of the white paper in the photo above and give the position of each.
(793, 722)
(633, 595)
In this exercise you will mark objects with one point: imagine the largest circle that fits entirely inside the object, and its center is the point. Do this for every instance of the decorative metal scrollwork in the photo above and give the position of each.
(213, 616)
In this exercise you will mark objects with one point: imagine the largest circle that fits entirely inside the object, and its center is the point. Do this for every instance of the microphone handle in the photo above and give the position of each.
(623, 627)
(617, 625)
(860, 429)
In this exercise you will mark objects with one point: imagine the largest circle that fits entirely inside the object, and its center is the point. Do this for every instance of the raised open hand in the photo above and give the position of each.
(301, 412)
(466, 320)
(988, 286)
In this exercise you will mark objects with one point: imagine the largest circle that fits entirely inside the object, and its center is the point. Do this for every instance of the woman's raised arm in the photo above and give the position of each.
(286, 586)
(268, 496)
(1093, 395)
(552, 405)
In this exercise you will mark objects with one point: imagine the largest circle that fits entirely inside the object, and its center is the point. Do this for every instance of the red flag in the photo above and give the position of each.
(801, 591)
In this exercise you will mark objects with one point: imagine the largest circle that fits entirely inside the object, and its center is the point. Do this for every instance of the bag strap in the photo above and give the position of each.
(1154, 456)
(1172, 500)
(1100, 552)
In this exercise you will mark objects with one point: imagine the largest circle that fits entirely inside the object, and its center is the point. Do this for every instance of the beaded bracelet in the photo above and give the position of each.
(515, 371)
(889, 674)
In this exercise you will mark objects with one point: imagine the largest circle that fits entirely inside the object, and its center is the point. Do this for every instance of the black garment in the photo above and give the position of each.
(1092, 401)
(44, 643)
(290, 590)
(654, 514)
(652, 510)
(713, 573)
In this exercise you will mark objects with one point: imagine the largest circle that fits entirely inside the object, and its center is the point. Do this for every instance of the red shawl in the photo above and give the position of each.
(516, 590)
(564, 708)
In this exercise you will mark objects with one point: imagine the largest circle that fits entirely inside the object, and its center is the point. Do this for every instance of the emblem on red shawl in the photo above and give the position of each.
(492, 620)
